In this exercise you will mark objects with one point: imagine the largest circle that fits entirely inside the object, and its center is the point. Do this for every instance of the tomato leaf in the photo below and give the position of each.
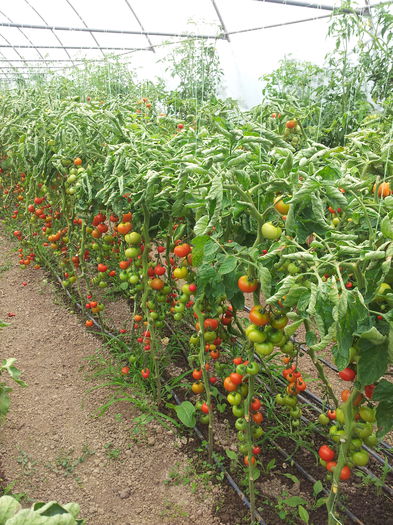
(201, 225)
(387, 227)
(229, 265)
(373, 362)
(384, 394)
(374, 336)
(198, 244)
(265, 280)
(231, 454)
(186, 413)
(303, 514)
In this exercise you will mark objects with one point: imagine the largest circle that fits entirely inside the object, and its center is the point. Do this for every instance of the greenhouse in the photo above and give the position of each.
(196, 278)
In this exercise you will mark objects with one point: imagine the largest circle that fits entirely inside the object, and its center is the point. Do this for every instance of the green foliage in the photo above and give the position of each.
(11, 513)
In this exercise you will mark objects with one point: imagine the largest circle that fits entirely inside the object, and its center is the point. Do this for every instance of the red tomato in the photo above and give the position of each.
(255, 404)
(210, 324)
(236, 378)
(197, 374)
(326, 453)
(347, 374)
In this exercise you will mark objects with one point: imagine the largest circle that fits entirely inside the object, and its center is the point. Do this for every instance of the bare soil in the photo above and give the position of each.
(53, 447)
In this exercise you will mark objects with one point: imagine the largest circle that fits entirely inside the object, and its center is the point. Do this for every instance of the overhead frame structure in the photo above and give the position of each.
(222, 34)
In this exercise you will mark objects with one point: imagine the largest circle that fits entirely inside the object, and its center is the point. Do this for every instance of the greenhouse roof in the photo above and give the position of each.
(58, 35)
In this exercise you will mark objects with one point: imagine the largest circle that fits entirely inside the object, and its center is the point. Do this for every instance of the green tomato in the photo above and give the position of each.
(356, 443)
(340, 415)
(280, 322)
(276, 336)
(290, 401)
(132, 359)
(237, 410)
(243, 449)
(186, 290)
(257, 432)
(179, 307)
(363, 430)
(360, 458)
(241, 369)
(133, 279)
(123, 276)
(153, 315)
(292, 269)
(371, 440)
(295, 413)
(194, 340)
(338, 435)
(243, 389)
(252, 368)
(288, 348)
(204, 419)
(133, 238)
(234, 398)
(295, 423)
(132, 252)
(271, 232)
(323, 419)
(102, 284)
(256, 336)
(366, 413)
(178, 316)
(263, 349)
(241, 436)
(184, 298)
(279, 399)
(240, 423)
(210, 336)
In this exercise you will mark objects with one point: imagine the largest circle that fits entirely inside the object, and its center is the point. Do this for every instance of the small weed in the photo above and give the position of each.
(8, 491)
(26, 462)
(5, 267)
(66, 463)
(173, 511)
(111, 452)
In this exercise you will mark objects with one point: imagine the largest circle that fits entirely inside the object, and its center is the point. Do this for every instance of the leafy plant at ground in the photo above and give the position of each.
(11, 513)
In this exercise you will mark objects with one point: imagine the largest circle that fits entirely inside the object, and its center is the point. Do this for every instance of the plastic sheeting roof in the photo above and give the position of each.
(251, 35)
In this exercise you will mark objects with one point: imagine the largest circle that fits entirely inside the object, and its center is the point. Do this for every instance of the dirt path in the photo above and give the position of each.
(51, 445)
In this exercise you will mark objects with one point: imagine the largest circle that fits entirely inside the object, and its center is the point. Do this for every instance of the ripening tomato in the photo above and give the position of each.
(125, 370)
(156, 284)
(182, 250)
(281, 206)
(326, 453)
(290, 124)
(197, 387)
(205, 408)
(247, 285)
(197, 374)
(383, 189)
(253, 460)
(258, 317)
(345, 473)
(145, 372)
(77, 161)
(210, 324)
(257, 418)
(369, 391)
(102, 267)
(89, 323)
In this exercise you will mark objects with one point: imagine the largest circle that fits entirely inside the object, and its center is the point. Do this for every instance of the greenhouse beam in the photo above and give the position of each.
(298, 3)
(140, 24)
(218, 13)
(110, 31)
(280, 24)
(84, 23)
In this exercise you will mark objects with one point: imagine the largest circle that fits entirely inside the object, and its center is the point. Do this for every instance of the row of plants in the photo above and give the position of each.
(193, 218)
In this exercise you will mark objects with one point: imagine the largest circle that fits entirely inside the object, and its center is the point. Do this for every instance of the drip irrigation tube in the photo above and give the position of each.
(227, 476)
(232, 483)
(318, 401)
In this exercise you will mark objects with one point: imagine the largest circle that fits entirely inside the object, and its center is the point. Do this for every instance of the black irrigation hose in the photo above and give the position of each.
(232, 483)
(228, 477)
(308, 476)
(283, 453)
(318, 401)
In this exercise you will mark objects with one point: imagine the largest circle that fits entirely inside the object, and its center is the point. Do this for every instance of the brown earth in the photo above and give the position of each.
(52, 447)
